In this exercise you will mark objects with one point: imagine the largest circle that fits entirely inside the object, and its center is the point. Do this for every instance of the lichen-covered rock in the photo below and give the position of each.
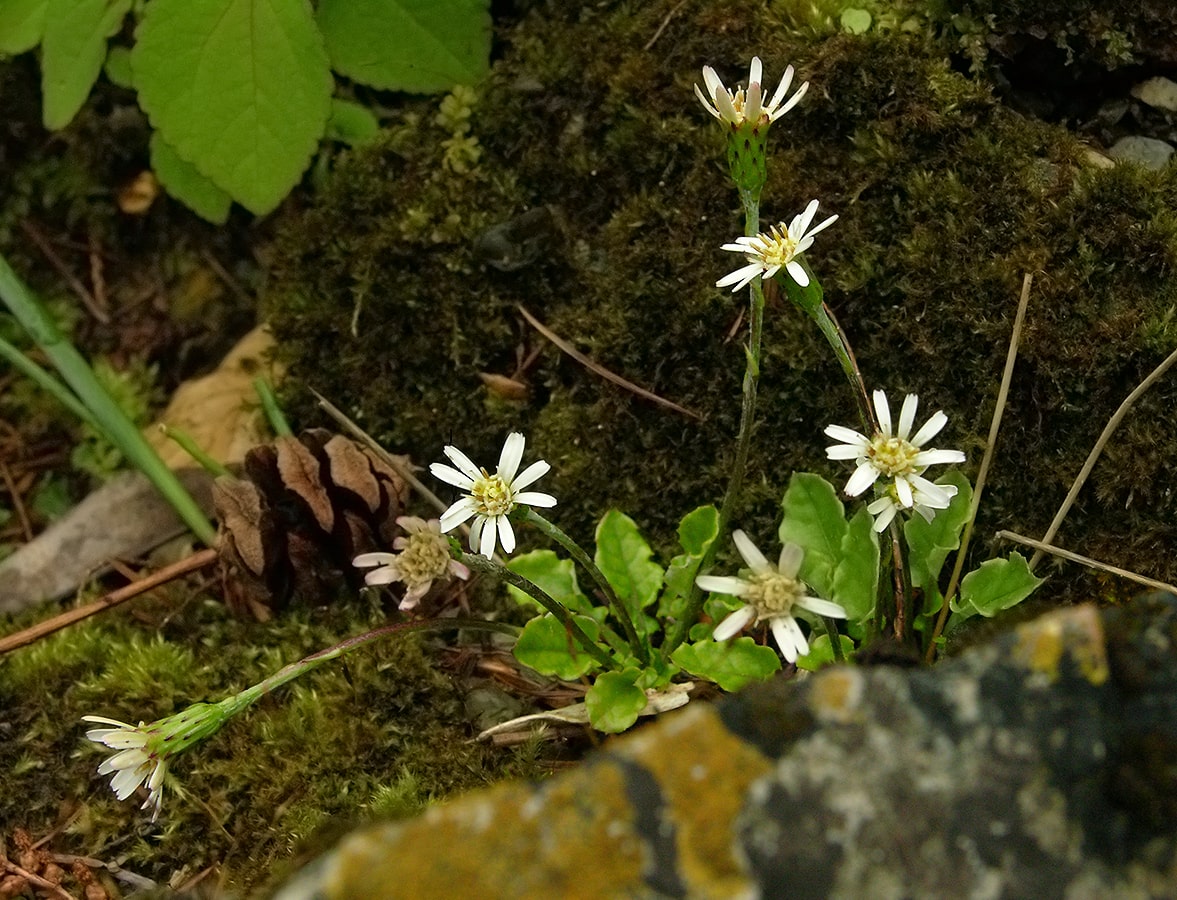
(1041, 765)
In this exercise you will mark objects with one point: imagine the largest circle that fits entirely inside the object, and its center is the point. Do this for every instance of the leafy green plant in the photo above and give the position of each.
(239, 92)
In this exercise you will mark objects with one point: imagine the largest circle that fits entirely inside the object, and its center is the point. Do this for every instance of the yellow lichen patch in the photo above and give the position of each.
(836, 694)
(1076, 632)
(704, 791)
(572, 838)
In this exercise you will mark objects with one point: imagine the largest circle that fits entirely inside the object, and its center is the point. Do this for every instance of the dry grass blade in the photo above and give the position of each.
(1043, 547)
(592, 366)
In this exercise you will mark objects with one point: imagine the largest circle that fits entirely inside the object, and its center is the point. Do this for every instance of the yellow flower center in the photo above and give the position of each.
(492, 495)
(892, 455)
(773, 594)
(426, 558)
(777, 248)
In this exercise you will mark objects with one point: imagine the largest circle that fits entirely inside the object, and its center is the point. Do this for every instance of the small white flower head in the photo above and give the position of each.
(767, 253)
(490, 498)
(898, 457)
(424, 557)
(143, 750)
(738, 108)
(770, 594)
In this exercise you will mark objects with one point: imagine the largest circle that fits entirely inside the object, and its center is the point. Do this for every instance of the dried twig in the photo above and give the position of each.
(592, 366)
(44, 884)
(18, 505)
(666, 21)
(43, 629)
(63, 270)
(1043, 547)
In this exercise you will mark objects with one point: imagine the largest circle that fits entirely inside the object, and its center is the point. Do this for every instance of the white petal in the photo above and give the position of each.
(450, 475)
(937, 457)
(457, 514)
(822, 607)
(105, 721)
(864, 476)
(535, 498)
(706, 103)
(486, 541)
(373, 559)
(903, 492)
(711, 79)
(793, 101)
(723, 584)
(791, 558)
(931, 428)
(843, 451)
(476, 528)
(464, 463)
(511, 456)
(907, 415)
(752, 104)
(936, 496)
(789, 637)
(737, 247)
(530, 475)
(740, 277)
(385, 575)
(733, 623)
(884, 412)
(847, 436)
(723, 102)
(883, 518)
(755, 71)
(506, 534)
(798, 272)
(781, 90)
(752, 556)
(802, 221)
(823, 225)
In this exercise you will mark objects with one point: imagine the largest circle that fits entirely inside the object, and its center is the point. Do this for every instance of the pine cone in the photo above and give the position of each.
(306, 507)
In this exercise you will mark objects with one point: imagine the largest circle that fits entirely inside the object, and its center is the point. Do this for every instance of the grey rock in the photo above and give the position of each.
(1040, 765)
(1159, 93)
(1148, 152)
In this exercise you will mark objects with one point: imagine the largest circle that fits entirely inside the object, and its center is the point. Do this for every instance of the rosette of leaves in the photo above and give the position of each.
(241, 92)
(306, 507)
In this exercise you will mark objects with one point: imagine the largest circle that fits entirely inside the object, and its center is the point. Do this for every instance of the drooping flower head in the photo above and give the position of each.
(747, 117)
(424, 557)
(898, 457)
(767, 253)
(144, 750)
(770, 594)
(490, 498)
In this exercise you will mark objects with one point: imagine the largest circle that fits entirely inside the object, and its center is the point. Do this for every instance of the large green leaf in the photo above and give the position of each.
(696, 532)
(856, 576)
(614, 701)
(546, 646)
(22, 23)
(555, 576)
(623, 556)
(419, 46)
(815, 520)
(929, 543)
(239, 88)
(73, 47)
(187, 185)
(730, 664)
(996, 585)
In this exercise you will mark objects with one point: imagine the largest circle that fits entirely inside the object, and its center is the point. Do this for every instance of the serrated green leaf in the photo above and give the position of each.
(73, 47)
(996, 585)
(420, 46)
(182, 181)
(929, 543)
(856, 576)
(351, 123)
(730, 664)
(615, 701)
(696, 532)
(22, 23)
(546, 646)
(821, 652)
(240, 88)
(623, 556)
(814, 519)
(555, 576)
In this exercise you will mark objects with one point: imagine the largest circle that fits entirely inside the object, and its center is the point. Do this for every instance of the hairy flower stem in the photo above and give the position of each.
(751, 202)
(841, 346)
(480, 563)
(636, 644)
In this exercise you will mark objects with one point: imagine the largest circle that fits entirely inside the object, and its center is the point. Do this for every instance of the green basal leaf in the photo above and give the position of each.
(821, 652)
(421, 46)
(545, 645)
(615, 701)
(239, 88)
(856, 576)
(929, 543)
(996, 585)
(351, 123)
(696, 532)
(117, 67)
(730, 664)
(623, 556)
(557, 578)
(22, 23)
(186, 184)
(814, 519)
(73, 47)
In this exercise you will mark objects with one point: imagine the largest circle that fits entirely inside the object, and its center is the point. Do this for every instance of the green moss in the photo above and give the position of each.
(946, 198)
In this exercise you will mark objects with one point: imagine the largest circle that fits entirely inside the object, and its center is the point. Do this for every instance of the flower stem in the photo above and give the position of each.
(639, 647)
(841, 345)
(480, 563)
(751, 202)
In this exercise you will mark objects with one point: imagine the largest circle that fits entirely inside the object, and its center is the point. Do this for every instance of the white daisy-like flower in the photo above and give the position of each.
(770, 594)
(491, 498)
(134, 764)
(424, 557)
(768, 252)
(739, 107)
(896, 455)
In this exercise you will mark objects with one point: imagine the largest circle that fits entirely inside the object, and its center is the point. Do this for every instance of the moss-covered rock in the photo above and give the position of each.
(397, 288)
